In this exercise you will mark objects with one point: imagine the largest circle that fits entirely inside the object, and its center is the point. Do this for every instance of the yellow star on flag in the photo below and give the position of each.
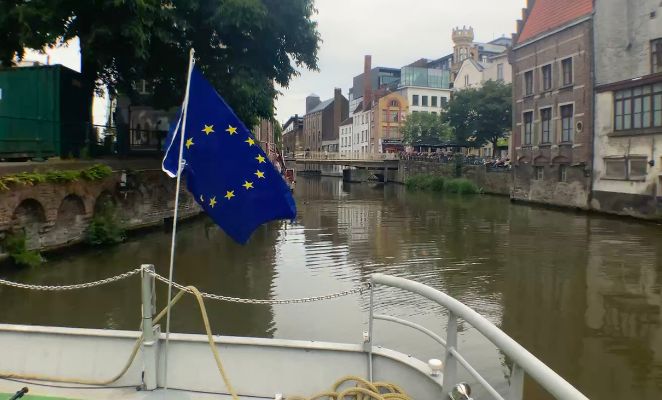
(231, 130)
(189, 143)
(259, 158)
(250, 141)
(260, 174)
(229, 194)
(208, 129)
(212, 202)
(248, 185)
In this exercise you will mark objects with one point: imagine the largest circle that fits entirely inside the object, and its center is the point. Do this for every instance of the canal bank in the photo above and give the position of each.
(54, 215)
(499, 181)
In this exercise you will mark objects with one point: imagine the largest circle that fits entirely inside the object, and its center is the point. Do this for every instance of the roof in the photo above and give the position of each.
(550, 14)
(321, 106)
(348, 121)
(490, 48)
(359, 108)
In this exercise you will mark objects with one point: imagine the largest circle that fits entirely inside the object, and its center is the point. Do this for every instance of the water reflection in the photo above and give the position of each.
(583, 293)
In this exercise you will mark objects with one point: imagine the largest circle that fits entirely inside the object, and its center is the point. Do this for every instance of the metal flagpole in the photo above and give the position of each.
(174, 221)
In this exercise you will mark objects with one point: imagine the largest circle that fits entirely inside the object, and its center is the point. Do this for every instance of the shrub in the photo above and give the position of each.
(439, 184)
(425, 182)
(462, 186)
(15, 244)
(94, 173)
(105, 227)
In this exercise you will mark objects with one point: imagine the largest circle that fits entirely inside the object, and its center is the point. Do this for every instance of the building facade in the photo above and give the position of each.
(321, 124)
(553, 103)
(389, 114)
(346, 137)
(627, 175)
(293, 135)
(264, 135)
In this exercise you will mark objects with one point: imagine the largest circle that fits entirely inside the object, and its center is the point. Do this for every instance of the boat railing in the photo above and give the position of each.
(524, 363)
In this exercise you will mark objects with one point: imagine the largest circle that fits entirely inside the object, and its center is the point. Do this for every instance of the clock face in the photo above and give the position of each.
(463, 51)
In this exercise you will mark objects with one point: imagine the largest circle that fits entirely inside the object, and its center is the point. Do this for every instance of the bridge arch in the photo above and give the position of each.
(30, 216)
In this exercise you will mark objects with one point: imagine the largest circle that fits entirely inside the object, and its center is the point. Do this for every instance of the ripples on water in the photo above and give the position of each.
(580, 292)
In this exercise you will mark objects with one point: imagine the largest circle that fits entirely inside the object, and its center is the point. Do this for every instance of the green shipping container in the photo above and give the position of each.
(43, 112)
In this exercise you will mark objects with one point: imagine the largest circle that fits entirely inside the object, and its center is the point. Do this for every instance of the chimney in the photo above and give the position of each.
(311, 102)
(337, 113)
(367, 82)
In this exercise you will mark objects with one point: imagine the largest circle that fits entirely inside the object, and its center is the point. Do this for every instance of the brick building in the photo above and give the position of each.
(552, 103)
(293, 135)
(321, 124)
(627, 176)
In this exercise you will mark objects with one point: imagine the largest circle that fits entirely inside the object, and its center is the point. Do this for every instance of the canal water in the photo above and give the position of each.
(581, 292)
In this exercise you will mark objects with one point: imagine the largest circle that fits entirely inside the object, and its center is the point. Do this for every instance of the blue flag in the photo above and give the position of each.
(226, 170)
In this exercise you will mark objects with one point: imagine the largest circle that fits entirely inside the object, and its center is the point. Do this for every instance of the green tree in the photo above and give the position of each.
(481, 115)
(245, 47)
(278, 134)
(425, 129)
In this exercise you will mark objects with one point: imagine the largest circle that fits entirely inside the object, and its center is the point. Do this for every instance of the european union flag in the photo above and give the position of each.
(226, 170)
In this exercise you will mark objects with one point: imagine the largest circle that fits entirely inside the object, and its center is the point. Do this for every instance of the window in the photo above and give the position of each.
(656, 56)
(499, 72)
(414, 100)
(546, 121)
(563, 173)
(394, 116)
(566, 123)
(528, 127)
(547, 77)
(433, 99)
(632, 168)
(637, 168)
(540, 173)
(394, 103)
(424, 102)
(466, 80)
(443, 100)
(566, 66)
(528, 83)
(638, 108)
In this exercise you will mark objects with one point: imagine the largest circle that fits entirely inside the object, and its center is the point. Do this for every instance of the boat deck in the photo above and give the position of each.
(8, 388)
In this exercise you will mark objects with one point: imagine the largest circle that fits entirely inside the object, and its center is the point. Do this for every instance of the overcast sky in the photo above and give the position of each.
(394, 32)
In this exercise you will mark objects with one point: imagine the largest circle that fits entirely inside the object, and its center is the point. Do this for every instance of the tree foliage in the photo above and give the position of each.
(481, 115)
(426, 129)
(244, 47)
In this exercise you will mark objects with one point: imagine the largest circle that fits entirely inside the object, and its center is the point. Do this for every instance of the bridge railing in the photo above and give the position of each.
(340, 156)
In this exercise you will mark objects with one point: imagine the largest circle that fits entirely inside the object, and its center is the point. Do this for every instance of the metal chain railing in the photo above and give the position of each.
(358, 289)
(211, 296)
(57, 288)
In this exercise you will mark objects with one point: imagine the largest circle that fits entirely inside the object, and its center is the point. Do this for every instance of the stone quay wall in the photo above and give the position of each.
(493, 182)
(55, 215)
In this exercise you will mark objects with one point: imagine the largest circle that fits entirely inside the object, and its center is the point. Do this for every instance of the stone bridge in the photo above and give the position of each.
(55, 215)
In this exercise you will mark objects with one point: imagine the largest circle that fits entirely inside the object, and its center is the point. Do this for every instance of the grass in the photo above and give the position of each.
(93, 173)
(439, 184)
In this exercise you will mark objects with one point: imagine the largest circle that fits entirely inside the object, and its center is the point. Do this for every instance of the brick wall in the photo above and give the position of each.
(57, 215)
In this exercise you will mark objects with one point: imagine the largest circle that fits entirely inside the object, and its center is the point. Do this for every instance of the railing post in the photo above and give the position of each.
(450, 363)
(516, 383)
(370, 328)
(150, 341)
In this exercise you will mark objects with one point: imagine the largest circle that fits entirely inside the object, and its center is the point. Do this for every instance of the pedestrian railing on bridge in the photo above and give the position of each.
(336, 156)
